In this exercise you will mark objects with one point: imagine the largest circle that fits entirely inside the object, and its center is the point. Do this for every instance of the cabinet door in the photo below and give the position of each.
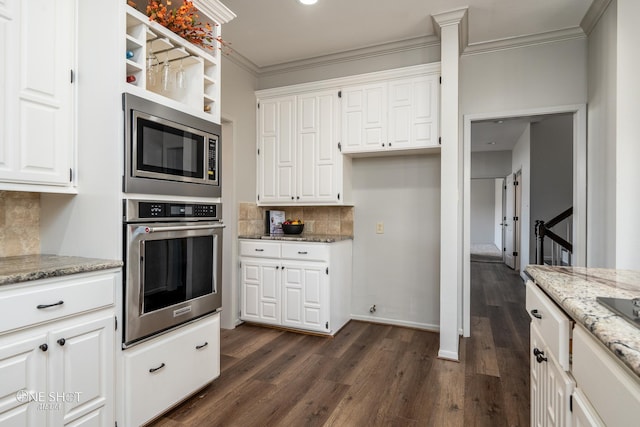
(413, 112)
(261, 291)
(23, 369)
(82, 371)
(318, 155)
(551, 386)
(582, 413)
(276, 149)
(305, 296)
(37, 56)
(364, 118)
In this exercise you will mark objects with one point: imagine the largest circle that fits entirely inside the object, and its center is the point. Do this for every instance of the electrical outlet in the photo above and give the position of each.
(380, 228)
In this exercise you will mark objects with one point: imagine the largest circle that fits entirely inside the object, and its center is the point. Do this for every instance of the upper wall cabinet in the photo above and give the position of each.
(298, 157)
(395, 114)
(162, 65)
(37, 54)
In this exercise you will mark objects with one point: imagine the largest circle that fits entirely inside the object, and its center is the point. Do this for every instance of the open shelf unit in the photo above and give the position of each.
(152, 47)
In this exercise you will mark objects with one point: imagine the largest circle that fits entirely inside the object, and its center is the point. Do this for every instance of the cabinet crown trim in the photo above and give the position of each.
(413, 71)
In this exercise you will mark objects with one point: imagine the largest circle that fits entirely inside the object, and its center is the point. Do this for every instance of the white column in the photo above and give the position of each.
(627, 136)
(452, 28)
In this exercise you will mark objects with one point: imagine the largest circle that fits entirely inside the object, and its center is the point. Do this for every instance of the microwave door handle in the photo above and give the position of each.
(182, 228)
(143, 254)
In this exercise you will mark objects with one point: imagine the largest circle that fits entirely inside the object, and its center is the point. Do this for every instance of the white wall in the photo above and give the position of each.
(551, 174)
(482, 210)
(398, 271)
(601, 194)
(521, 162)
(238, 174)
(627, 144)
(490, 164)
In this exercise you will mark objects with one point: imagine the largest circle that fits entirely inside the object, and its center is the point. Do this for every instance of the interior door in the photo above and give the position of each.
(517, 194)
(509, 225)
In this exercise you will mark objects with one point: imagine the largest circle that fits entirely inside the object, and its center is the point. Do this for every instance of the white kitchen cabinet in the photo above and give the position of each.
(299, 285)
(582, 413)
(37, 57)
(551, 384)
(58, 365)
(277, 150)
(298, 157)
(364, 117)
(161, 372)
(395, 114)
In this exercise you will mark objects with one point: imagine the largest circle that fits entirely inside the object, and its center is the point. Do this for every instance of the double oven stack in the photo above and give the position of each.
(172, 227)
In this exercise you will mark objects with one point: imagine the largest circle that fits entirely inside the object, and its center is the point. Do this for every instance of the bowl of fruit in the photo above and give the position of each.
(292, 227)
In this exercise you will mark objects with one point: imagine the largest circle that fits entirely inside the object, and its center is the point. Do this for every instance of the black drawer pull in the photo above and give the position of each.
(44, 347)
(302, 252)
(61, 341)
(536, 314)
(259, 250)
(198, 347)
(152, 370)
(41, 306)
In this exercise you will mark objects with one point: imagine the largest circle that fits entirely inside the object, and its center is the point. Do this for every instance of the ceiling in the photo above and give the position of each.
(273, 32)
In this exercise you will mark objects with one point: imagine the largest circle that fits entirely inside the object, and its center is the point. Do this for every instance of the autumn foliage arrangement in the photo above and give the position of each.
(183, 21)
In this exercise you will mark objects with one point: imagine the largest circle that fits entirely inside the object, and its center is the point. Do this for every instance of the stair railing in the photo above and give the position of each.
(559, 244)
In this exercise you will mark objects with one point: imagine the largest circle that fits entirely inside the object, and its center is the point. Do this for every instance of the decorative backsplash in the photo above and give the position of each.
(325, 220)
(19, 223)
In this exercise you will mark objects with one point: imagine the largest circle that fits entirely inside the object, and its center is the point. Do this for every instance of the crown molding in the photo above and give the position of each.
(522, 41)
(243, 62)
(593, 15)
(457, 17)
(351, 55)
(215, 10)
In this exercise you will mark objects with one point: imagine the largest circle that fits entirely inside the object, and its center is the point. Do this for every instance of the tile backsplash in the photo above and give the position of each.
(326, 220)
(19, 223)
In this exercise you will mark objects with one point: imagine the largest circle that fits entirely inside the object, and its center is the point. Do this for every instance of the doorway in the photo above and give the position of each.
(579, 184)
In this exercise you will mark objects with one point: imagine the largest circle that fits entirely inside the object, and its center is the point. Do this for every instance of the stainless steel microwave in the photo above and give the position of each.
(169, 152)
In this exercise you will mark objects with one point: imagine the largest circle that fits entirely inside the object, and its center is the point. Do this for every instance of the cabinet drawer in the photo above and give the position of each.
(56, 298)
(553, 324)
(170, 368)
(612, 391)
(260, 249)
(305, 251)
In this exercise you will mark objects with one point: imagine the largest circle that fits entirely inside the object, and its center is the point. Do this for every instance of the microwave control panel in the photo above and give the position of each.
(212, 174)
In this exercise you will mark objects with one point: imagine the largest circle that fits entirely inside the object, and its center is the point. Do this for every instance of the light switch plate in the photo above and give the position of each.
(380, 228)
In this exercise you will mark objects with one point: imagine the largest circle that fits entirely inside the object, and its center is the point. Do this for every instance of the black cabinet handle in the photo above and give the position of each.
(302, 252)
(41, 306)
(383, 144)
(539, 354)
(44, 347)
(61, 341)
(152, 370)
(259, 250)
(198, 347)
(536, 314)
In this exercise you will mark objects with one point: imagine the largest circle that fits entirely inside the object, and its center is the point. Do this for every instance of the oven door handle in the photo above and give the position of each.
(148, 229)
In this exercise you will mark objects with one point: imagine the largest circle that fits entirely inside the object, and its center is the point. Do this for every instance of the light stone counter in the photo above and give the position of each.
(25, 268)
(318, 238)
(575, 290)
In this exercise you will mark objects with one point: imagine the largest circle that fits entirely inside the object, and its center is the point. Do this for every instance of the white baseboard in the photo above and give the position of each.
(448, 355)
(396, 322)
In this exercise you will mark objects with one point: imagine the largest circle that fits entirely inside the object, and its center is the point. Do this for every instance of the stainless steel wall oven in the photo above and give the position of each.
(173, 265)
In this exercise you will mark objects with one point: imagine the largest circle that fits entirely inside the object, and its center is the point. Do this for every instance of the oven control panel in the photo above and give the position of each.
(138, 210)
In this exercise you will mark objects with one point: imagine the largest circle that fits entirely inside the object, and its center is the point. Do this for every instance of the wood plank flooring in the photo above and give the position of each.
(376, 375)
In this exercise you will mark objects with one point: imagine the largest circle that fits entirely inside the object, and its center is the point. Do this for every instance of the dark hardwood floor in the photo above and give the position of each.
(376, 375)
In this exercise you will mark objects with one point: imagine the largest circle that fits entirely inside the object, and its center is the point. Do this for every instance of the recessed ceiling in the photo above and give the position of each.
(270, 32)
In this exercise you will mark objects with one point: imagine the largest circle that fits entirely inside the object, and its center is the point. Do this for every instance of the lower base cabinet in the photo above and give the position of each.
(160, 373)
(304, 286)
(57, 367)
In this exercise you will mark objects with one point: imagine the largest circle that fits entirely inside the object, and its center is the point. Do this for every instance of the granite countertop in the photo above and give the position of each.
(575, 289)
(25, 268)
(318, 238)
